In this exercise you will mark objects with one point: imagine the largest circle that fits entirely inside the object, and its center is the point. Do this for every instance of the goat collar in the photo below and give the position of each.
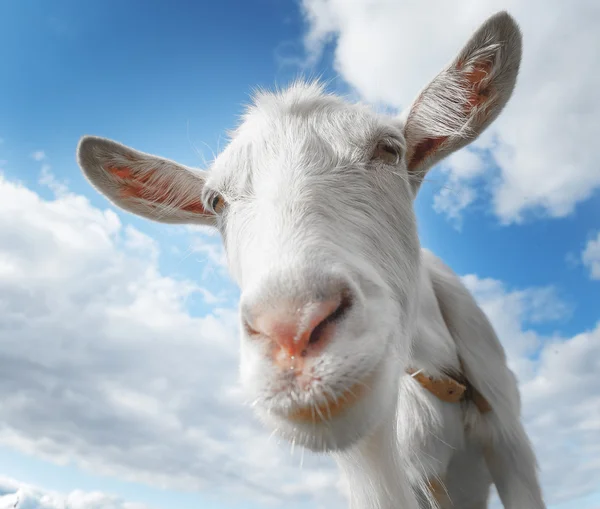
(451, 389)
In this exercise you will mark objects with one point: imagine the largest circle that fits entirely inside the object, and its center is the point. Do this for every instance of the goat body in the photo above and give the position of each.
(450, 452)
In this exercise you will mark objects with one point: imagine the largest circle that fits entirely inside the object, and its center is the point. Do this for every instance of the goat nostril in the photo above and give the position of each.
(336, 316)
(317, 333)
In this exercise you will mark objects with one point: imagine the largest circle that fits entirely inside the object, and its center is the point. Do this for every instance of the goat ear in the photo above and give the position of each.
(461, 101)
(146, 185)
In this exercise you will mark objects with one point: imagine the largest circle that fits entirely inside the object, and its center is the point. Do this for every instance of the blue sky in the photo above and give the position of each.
(171, 79)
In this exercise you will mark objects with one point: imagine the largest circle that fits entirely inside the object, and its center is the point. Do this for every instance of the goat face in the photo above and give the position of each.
(320, 236)
(313, 198)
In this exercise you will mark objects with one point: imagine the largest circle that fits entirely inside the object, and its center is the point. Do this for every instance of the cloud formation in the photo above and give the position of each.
(38, 155)
(18, 495)
(591, 256)
(543, 145)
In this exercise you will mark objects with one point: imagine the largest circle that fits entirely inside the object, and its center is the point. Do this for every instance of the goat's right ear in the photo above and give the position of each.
(461, 101)
(146, 185)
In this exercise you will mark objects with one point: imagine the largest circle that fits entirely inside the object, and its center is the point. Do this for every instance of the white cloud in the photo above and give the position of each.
(544, 142)
(453, 199)
(38, 155)
(458, 192)
(211, 252)
(18, 495)
(102, 364)
(562, 411)
(48, 179)
(591, 257)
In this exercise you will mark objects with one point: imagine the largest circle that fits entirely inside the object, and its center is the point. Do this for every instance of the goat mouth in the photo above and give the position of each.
(330, 406)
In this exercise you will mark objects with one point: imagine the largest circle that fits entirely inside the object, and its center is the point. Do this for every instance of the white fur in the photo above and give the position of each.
(312, 206)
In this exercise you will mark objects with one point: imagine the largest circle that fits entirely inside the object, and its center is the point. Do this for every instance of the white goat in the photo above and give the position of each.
(354, 340)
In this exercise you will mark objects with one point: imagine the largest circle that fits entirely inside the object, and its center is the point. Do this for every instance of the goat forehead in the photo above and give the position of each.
(275, 119)
(299, 128)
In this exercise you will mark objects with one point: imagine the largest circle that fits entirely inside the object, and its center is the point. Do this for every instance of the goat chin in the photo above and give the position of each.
(326, 431)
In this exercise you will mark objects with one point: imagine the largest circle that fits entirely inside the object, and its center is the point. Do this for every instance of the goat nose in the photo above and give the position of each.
(294, 329)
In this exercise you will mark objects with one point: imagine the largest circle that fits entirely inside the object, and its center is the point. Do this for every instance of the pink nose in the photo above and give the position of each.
(294, 330)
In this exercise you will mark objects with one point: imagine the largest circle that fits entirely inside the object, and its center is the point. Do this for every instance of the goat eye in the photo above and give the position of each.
(217, 203)
(387, 153)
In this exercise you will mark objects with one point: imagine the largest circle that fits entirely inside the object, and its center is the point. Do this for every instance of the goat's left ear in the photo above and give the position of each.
(461, 101)
(146, 185)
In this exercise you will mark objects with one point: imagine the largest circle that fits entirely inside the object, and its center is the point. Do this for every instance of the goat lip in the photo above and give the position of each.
(329, 407)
